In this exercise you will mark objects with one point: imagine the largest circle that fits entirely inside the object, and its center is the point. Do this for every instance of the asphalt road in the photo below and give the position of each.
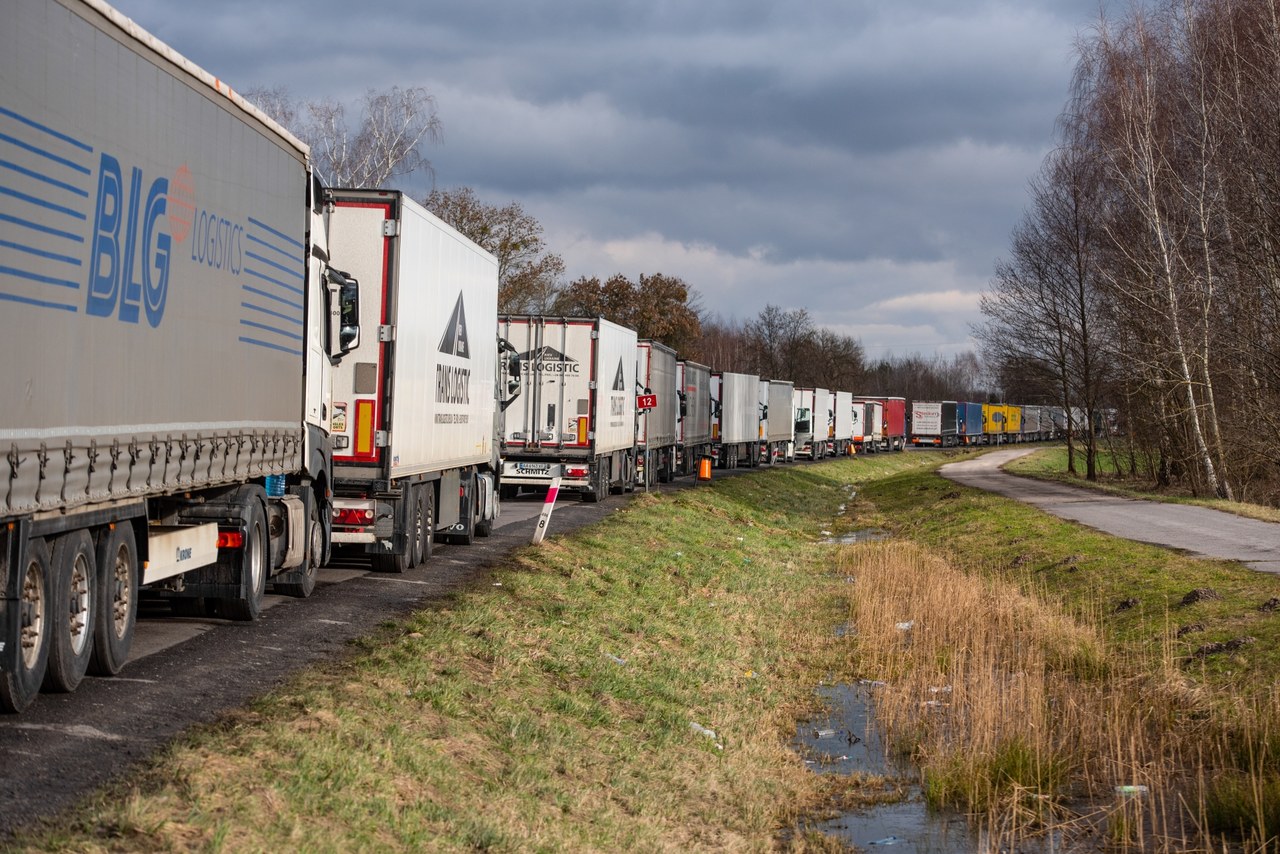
(185, 671)
(1200, 531)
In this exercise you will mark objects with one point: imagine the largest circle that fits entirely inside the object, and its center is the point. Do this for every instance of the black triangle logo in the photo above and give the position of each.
(618, 383)
(454, 341)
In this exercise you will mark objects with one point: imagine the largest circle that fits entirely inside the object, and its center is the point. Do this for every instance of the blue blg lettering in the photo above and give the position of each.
(113, 282)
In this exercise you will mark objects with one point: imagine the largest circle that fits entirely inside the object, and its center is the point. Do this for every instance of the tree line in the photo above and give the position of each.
(1145, 275)
(383, 145)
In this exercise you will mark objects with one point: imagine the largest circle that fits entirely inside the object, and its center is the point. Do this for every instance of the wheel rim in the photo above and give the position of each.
(33, 614)
(80, 603)
(121, 592)
(255, 562)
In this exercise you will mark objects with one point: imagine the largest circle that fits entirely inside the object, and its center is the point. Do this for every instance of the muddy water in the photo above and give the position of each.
(841, 740)
(864, 535)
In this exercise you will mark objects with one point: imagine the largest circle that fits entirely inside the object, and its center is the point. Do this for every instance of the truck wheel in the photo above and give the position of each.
(117, 599)
(26, 652)
(599, 484)
(250, 564)
(484, 527)
(74, 585)
(418, 528)
(306, 574)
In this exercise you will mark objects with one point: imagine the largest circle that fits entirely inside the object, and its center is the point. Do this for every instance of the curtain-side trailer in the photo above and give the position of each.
(169, 326)
(693, 429)
(575, 415)
(934, 423)
(415, 454)
(656, 424)
(969, 430)
(735, 418)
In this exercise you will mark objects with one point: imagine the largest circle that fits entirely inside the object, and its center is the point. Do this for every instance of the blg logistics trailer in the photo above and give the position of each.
(415, 445)
(169, 326)
(656, 420)
(575, 417)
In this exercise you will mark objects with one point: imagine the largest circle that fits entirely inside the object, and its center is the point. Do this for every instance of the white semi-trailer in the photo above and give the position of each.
(841, 443)
(693, 430)
(575, 417)
(415, 445)
(777, 424)
(657, 419)
(735, 418)
(813, 421)
(169, 327)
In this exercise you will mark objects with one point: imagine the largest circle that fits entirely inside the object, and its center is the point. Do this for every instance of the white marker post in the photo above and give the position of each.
(547, 507)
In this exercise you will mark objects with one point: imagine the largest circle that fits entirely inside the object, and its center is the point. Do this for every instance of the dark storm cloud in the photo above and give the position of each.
(876, 151)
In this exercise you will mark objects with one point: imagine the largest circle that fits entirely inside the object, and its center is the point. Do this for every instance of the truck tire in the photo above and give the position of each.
(117, 599)
(251, 565)
(599, 484)
(418, 524)
(26, 647)
(74, 584)
(303, 579)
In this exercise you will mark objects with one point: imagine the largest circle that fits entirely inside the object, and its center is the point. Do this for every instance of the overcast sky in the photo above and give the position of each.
(863, 159)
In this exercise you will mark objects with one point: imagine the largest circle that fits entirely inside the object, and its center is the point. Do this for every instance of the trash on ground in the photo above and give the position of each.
(905, 627)
(824, 733)
(888, 840)
(1131, 791)
(615, 659)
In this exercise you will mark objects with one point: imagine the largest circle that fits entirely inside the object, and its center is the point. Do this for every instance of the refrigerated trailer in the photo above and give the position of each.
(840, 442)
(693, 428)
(169, 325)
(813, 421)
(415, 449)
(777, 425)
(735, 418)
(891, 429)
(575, 416)
(657, 418)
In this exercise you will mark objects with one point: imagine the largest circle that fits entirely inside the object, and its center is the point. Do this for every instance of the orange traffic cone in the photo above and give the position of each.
(704, 468)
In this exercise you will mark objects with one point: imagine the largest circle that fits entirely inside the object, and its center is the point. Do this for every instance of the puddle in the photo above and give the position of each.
(840, 739)
(863, 535)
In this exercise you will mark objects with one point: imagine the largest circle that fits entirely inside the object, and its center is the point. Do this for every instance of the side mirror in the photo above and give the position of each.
(344, 312)
(684, 403)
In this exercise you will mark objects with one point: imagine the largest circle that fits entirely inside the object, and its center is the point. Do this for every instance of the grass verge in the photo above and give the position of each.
(635, 686)
(630, 687)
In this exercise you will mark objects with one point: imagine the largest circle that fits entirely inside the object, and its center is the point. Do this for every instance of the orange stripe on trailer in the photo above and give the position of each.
(364, 427)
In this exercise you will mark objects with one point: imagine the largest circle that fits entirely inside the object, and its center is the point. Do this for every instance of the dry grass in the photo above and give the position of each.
(1022, 716)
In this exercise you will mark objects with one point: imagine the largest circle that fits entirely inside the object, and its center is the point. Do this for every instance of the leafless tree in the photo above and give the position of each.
(383, 146)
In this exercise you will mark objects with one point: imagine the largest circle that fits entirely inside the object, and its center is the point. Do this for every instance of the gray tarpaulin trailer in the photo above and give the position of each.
(168, 332)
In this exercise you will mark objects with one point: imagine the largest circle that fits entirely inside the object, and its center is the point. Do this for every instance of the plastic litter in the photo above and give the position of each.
(615, 659)
(945, 689)
(888, 840)
(905, 627)
(709, 733)
(872, 683)
(1131, 791)
(824, 733)
(825, 533)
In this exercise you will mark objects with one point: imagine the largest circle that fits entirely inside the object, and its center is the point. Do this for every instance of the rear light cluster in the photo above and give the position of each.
(352, 516)
(230, 540)
(576, 471)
